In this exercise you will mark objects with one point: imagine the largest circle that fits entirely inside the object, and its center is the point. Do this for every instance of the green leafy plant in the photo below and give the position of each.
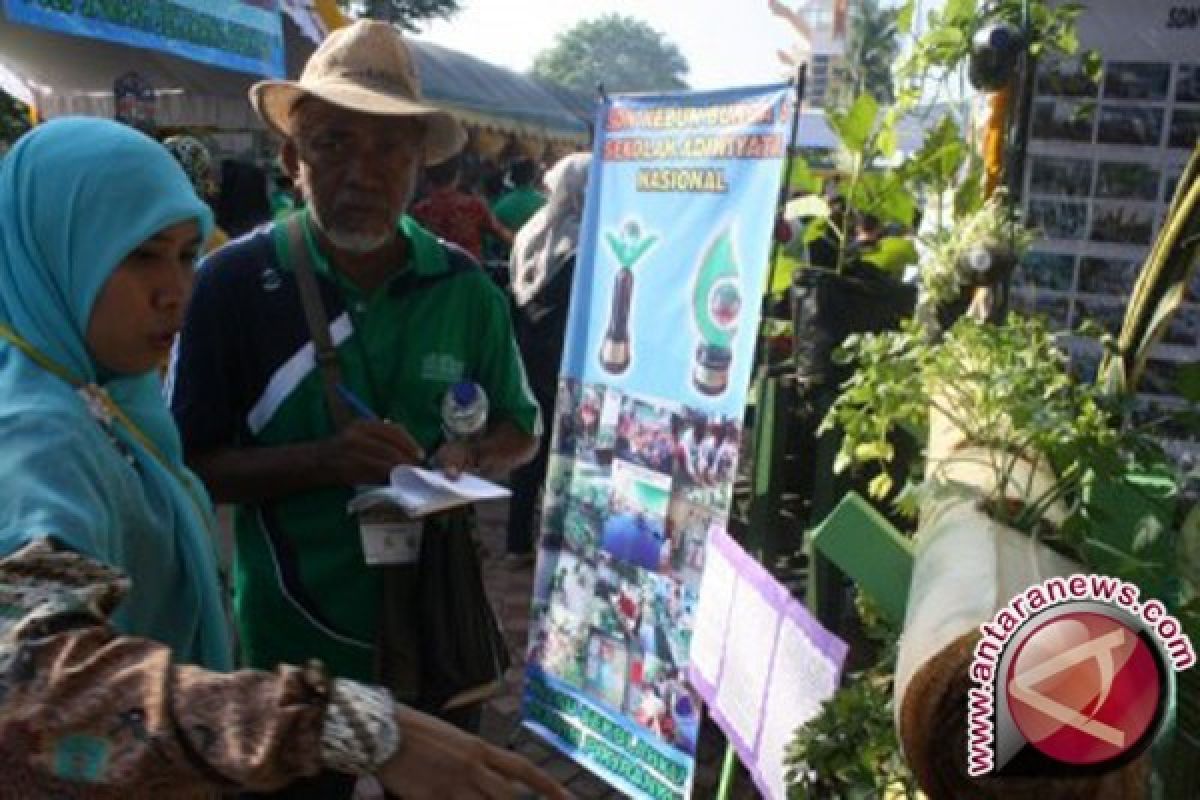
(990, 229)
(867, 140)
(1188, 553)
(946, 43)
(1160, 288)
(1009, 391)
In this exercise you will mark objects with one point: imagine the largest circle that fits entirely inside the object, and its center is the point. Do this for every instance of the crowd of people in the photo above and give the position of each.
(118, 674)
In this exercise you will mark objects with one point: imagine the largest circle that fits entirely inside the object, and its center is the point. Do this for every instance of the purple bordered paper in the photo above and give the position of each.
(743, 692)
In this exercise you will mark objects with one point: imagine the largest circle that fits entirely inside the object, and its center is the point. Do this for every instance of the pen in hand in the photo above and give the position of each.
(356, 404)
(364, 412)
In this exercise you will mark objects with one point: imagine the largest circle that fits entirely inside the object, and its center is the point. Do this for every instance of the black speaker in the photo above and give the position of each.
(995, 49)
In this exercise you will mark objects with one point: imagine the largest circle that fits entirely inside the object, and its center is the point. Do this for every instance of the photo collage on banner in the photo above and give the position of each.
(648, 424)
(1105, 157)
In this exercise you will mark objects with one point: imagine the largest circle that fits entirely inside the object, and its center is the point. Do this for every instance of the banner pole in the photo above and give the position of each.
(727, 768)
(785, 188)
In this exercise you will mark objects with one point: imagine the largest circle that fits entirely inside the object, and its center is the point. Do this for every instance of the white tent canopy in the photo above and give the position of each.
(66, 74)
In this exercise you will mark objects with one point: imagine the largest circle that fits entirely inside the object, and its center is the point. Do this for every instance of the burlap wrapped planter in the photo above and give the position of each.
(967, 567)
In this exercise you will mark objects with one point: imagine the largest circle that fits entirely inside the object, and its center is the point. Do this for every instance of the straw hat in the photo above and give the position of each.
(363, 67)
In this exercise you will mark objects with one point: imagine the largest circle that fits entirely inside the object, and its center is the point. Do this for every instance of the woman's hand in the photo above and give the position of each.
(437, 761)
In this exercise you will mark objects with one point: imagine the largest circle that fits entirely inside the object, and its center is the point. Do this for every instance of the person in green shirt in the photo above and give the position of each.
(409, 317)
(519, 204)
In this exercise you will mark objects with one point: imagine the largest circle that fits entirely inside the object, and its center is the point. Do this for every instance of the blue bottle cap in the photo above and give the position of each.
(464, 393)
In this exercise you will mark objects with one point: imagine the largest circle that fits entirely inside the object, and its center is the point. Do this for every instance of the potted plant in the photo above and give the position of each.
(1028, 473)
(853, 288)
(1014, 444)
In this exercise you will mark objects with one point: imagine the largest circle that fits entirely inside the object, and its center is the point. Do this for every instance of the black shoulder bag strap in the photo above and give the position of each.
(318, 321)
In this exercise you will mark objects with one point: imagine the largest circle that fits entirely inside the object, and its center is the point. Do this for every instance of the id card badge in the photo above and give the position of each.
(389, 537)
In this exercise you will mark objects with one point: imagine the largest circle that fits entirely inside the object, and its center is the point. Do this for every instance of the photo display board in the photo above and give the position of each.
(1103, 162)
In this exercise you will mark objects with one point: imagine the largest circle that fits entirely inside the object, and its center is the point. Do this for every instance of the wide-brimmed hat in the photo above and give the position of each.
(364, 67)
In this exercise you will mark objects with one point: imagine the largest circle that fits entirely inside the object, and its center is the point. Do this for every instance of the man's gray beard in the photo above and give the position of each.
(359, 243)
(351, 242)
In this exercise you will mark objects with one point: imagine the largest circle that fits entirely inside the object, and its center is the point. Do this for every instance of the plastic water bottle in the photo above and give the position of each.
(464, 411)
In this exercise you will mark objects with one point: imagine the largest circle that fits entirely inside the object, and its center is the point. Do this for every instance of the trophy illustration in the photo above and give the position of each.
(717, 305)
(628, 248)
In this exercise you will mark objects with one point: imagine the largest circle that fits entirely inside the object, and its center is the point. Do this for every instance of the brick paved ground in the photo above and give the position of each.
(510, 591)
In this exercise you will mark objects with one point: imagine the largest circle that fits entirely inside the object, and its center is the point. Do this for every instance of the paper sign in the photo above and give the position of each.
(765, 665)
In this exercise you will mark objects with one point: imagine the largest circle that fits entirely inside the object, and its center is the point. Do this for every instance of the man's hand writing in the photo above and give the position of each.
(365, 451)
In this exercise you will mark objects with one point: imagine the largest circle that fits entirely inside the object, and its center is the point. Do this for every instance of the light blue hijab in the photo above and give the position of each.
(76, 197)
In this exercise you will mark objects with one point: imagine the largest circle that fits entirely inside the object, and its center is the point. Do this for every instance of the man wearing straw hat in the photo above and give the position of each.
(286, 426)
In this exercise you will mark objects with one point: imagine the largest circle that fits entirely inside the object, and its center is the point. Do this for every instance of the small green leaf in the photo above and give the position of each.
(894, 253)
(968, 198)
(908, 500)
(941, 154)
(959, 11)
(945, 38)
(874, 451)
(1068, 42)
(904, 16)
(802, 178)
(894, 202)
(887, 142)
(816, 229)
(879, 486)
(854, 128)
(1147, 532)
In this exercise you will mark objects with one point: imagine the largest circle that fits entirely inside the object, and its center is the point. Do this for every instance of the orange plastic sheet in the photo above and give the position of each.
(993, 140)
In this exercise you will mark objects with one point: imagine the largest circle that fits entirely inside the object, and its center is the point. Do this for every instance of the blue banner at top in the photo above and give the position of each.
(676, 241)
(241, 35)
(672, 266)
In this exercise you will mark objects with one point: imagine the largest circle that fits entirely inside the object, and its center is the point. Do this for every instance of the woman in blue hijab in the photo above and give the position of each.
(91, 456)
(113, 643)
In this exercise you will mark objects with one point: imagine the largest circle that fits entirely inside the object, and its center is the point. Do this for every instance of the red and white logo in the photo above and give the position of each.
(1084, 688)
(1073, 674)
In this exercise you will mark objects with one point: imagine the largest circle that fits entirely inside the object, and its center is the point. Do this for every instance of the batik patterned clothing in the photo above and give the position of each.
(87, 713)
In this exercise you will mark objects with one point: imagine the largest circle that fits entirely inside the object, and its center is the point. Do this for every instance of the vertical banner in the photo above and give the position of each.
(672, 267)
